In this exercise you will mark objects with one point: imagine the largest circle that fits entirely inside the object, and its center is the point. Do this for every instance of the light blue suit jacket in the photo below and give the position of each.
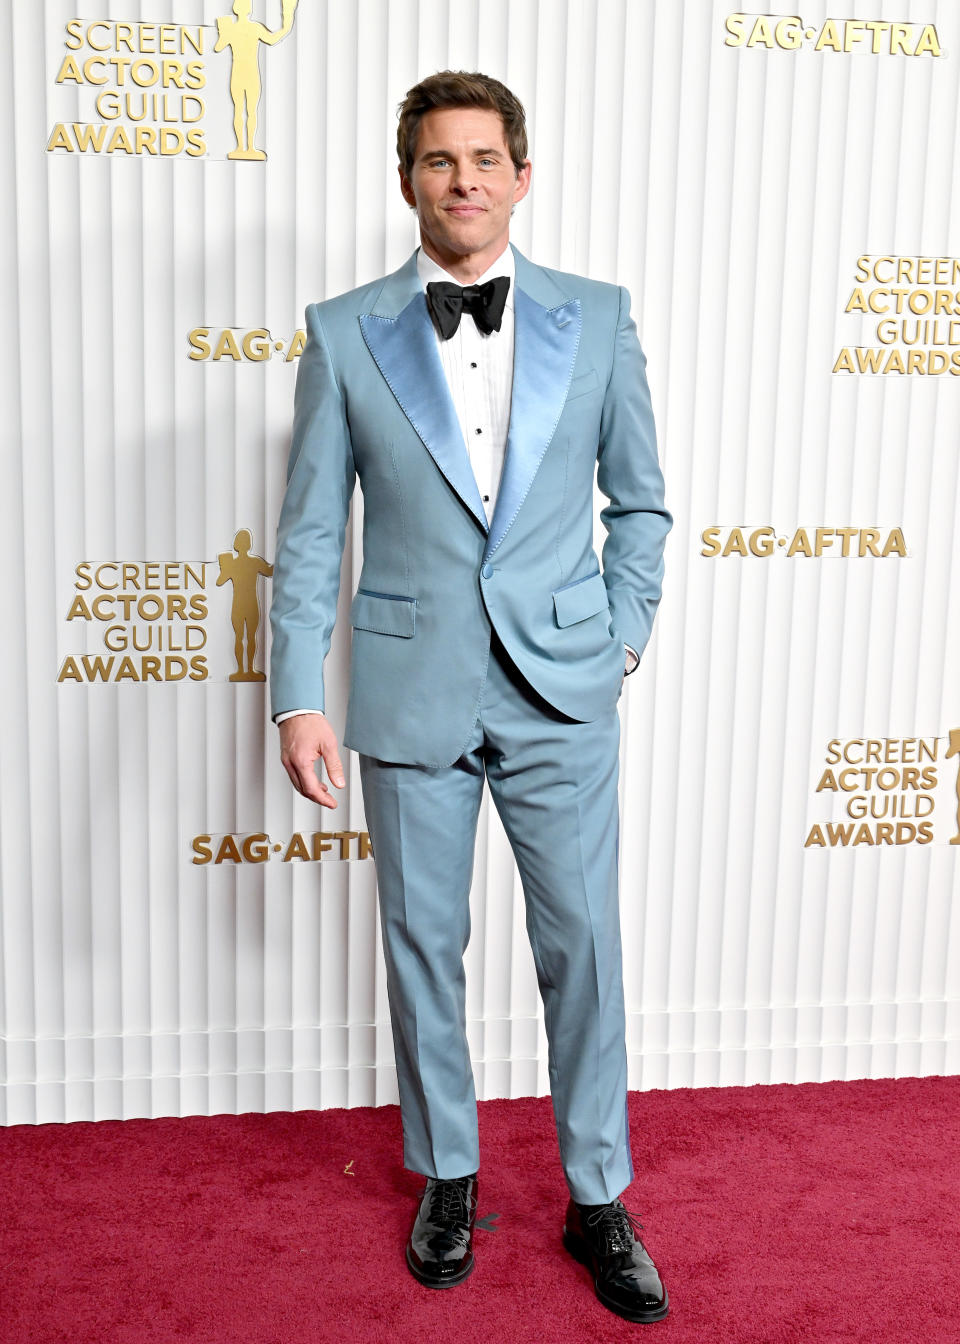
(372, 402)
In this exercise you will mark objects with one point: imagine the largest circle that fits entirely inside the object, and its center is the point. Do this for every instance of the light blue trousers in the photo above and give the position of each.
(554, 783)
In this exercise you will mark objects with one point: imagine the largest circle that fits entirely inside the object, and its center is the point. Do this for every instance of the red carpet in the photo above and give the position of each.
(824, 1211)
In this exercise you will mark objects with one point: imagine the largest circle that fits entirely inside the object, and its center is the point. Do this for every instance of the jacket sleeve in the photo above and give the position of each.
(628, 473)
(313, 517)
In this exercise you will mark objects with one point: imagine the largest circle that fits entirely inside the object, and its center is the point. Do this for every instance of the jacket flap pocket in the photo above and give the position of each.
(580, 599)
(586, 382)
(383, 612)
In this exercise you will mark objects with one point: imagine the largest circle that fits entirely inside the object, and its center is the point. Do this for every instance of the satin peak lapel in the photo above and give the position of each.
(544, 351)
(404, 346)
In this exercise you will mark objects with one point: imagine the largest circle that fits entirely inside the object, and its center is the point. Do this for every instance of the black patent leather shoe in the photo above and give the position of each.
(440, 1249)
(604, 1238)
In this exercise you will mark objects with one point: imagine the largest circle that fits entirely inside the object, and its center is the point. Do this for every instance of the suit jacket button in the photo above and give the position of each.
(487, 571)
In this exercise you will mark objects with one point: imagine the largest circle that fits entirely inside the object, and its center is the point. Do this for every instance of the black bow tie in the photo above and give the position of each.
(447, 302)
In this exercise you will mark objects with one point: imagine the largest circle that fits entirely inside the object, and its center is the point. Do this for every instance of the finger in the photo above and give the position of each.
(325, 797)
(304, 779)
(310, 786)
(294, 775)
(334, 766)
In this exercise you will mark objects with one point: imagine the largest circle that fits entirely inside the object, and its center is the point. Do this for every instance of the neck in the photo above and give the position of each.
(465, 269)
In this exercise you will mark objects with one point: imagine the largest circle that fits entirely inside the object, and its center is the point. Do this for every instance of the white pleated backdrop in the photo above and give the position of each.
(731, 189)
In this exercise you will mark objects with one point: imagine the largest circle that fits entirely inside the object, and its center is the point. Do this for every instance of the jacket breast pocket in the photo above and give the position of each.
(384, 613)
(580, 599)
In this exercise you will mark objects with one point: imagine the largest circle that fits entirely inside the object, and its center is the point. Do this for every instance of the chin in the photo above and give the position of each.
(460, 242)
(474, 229)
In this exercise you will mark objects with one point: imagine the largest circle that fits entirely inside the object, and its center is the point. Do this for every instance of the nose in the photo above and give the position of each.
(462, 179)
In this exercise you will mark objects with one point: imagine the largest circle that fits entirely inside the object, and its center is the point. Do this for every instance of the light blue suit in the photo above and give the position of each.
(477, 648)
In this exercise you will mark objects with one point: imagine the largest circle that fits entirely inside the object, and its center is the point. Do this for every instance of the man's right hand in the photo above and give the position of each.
(305, 739)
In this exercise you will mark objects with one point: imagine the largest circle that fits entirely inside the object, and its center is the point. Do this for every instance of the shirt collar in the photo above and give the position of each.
(428, 270)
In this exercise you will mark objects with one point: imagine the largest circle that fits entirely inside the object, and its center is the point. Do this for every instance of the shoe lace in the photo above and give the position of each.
(450, 1202)
(618, 1225)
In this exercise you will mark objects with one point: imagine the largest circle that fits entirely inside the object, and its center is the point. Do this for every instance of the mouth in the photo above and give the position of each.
(464, 211)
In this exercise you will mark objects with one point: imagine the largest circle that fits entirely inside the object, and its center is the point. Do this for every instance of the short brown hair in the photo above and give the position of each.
(460, 88)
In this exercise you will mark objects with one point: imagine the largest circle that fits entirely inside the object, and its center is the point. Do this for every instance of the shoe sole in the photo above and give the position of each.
(450, 1282)
(580, 1251)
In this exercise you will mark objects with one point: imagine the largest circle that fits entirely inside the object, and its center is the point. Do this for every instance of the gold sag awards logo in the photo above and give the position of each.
(151, 621)
(302, 847)
(148, 79)
(788, 32)
(913, 305)
(887, 788)
(255, 346)
(811, 542)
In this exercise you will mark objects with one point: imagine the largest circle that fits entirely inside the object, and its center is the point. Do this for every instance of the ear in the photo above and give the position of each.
(522, 184)
(406, 188)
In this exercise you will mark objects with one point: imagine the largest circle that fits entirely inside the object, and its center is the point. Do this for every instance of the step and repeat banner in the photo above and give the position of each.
(179, 932)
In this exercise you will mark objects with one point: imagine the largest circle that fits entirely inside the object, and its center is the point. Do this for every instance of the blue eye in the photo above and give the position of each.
(435, 163)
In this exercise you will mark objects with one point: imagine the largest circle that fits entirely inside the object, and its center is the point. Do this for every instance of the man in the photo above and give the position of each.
(474, 394)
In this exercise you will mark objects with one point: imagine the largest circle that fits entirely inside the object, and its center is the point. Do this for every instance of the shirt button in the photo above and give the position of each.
(473, 364)
(479, 431)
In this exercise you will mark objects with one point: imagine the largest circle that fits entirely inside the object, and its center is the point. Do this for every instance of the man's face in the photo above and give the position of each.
(463, 182)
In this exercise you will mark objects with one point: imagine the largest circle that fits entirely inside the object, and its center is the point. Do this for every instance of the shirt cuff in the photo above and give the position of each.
(633, 659)
(289, 713)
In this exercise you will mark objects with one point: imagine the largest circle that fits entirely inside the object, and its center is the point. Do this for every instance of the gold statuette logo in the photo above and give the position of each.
(245, 36)
(242, 570)
(954, 750)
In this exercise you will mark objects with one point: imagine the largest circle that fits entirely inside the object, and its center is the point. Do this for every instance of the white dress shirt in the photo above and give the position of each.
(479, 373)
